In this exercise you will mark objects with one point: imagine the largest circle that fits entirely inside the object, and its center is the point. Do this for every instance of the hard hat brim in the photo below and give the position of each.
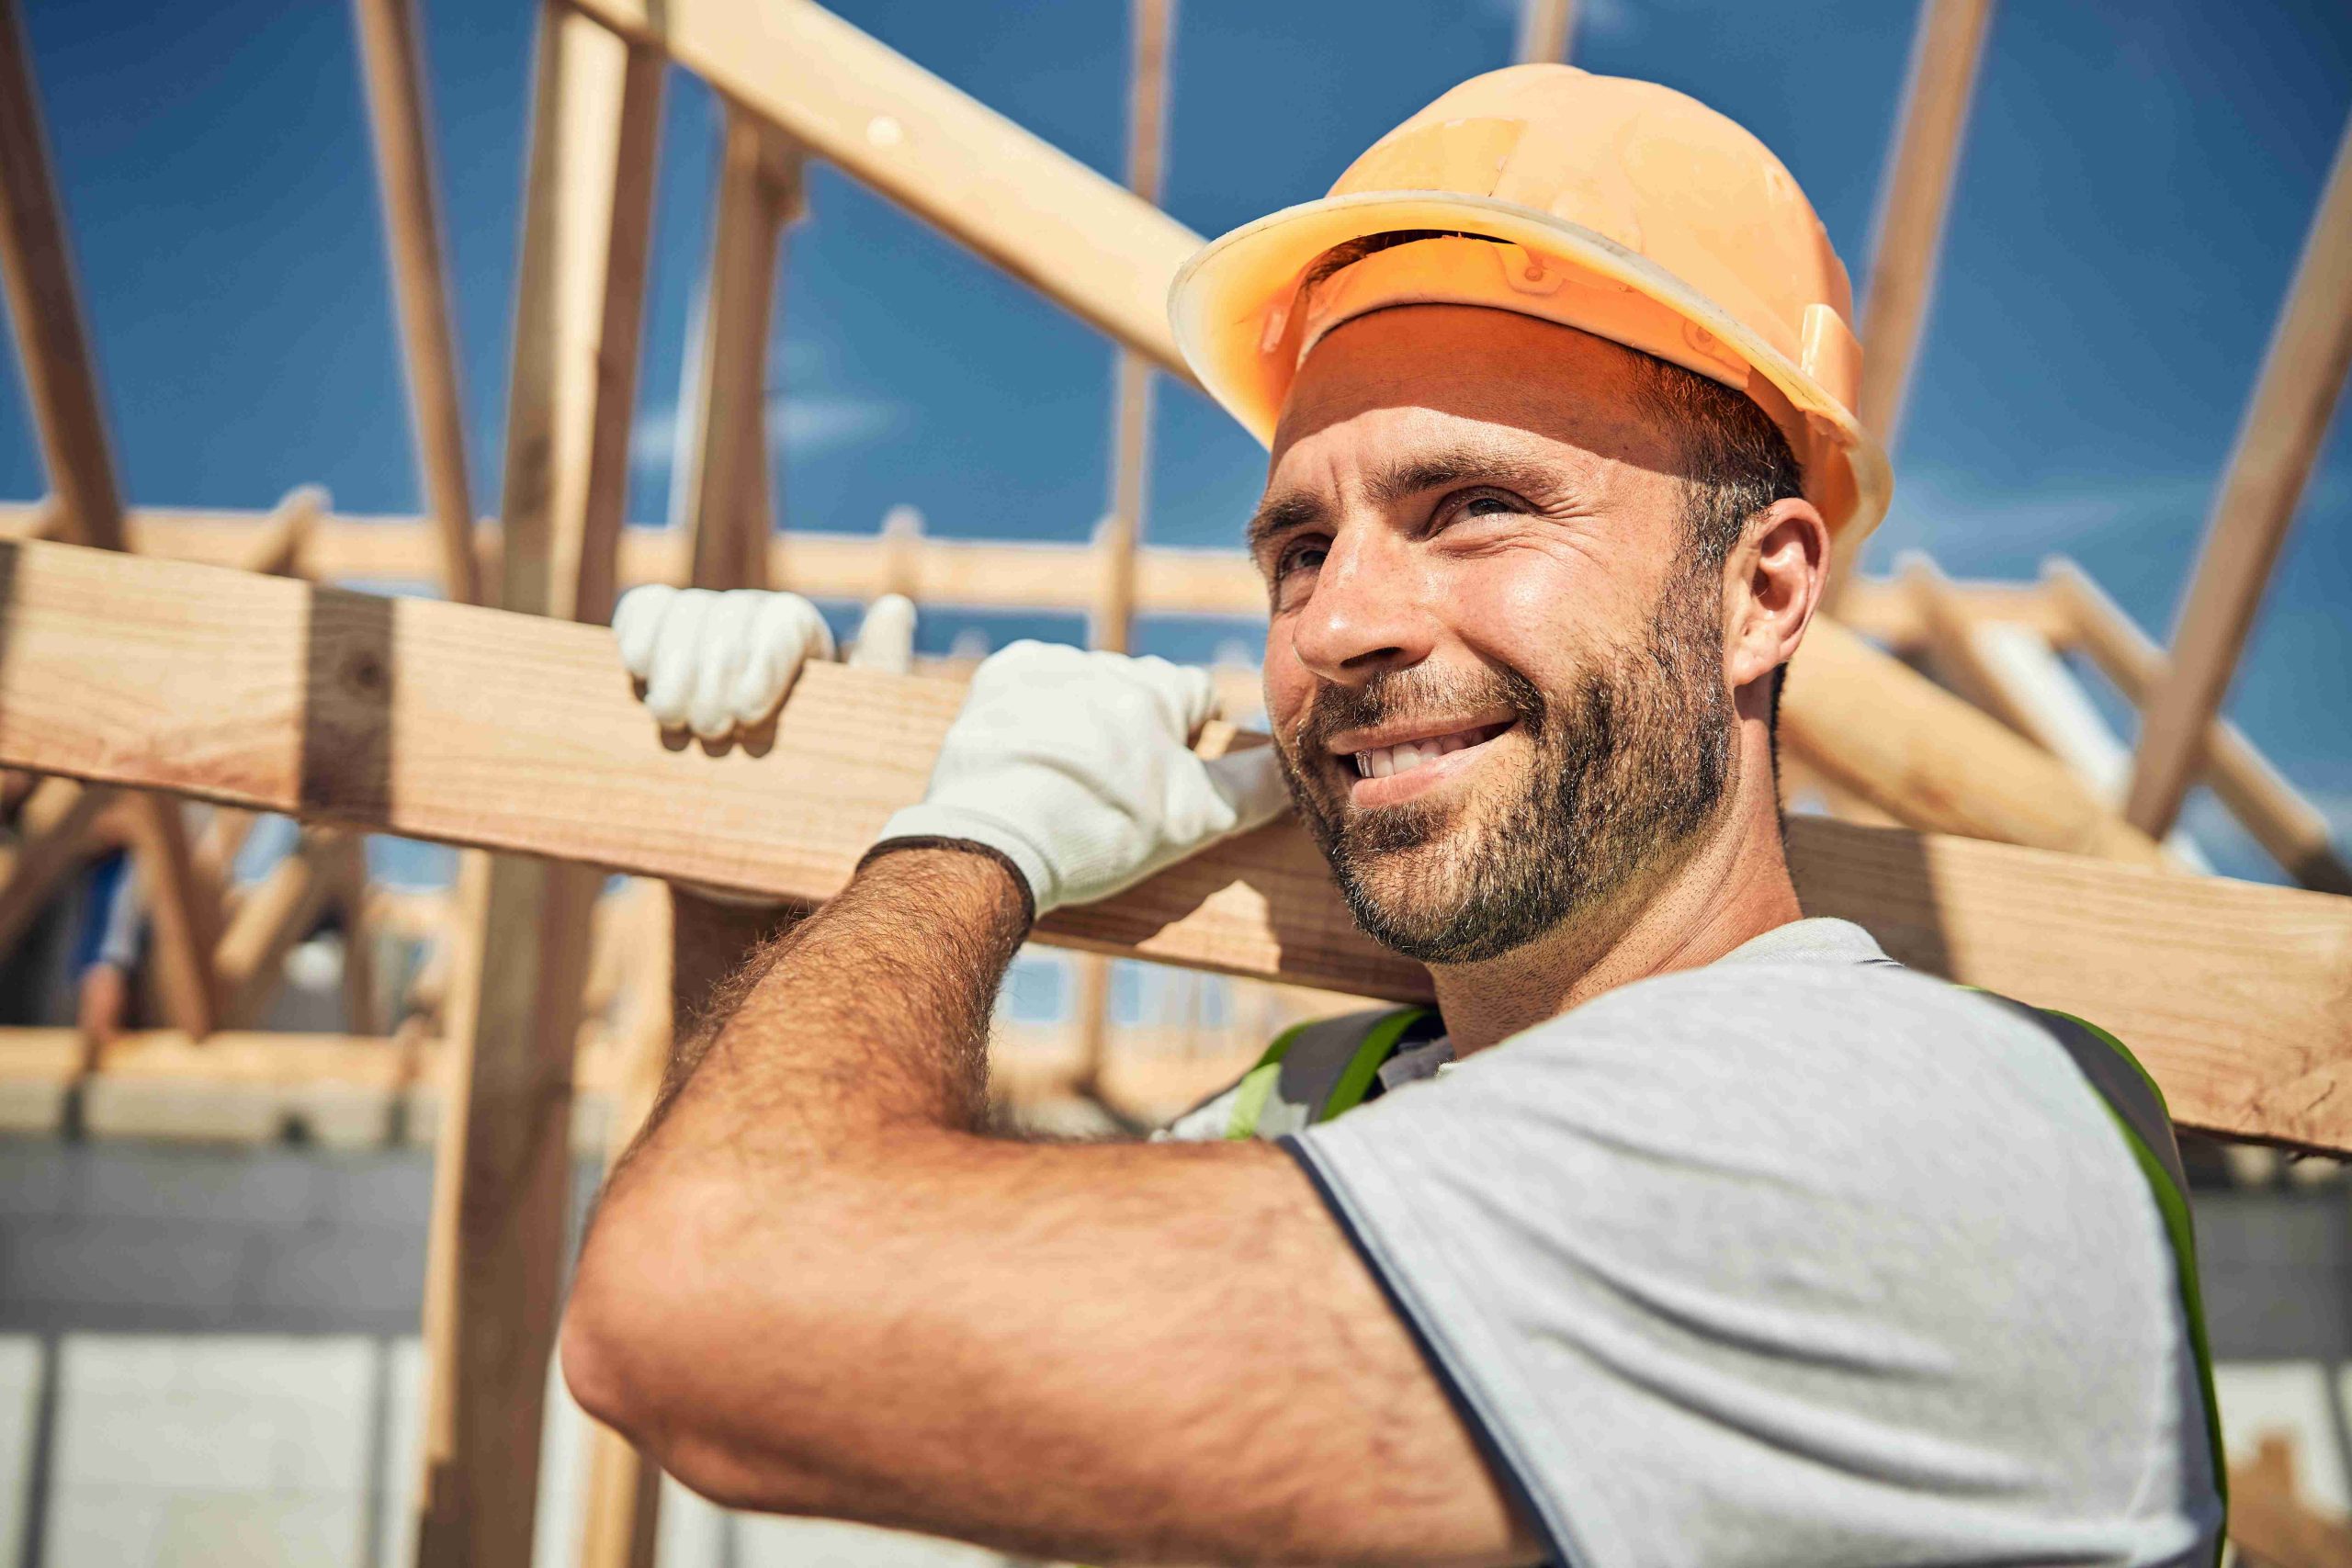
(1220, 301)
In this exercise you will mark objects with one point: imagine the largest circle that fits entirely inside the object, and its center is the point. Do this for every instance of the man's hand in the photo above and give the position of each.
(1077, 768)
(721, 664)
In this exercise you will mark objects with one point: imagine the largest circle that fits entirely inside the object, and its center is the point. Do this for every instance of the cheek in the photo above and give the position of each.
(1528, 611)
(1290, 685)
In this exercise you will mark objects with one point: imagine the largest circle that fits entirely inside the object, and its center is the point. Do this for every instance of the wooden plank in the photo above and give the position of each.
(53, 839)
(269, 922)
(45, 306)
(494, 1252)
(2286, 421)
(730, 515)
(1115, 542)
(1032, 210)
(1546, 27)
(1915, 195)
(53, 348)
(1875, 727)
(344, 861)
(983, 574)
(468, 725)
(2012, 672)
(2286, 825)
(622, 1511)
(282, 546)
(186, 908)
(580, 299)
(393, 61)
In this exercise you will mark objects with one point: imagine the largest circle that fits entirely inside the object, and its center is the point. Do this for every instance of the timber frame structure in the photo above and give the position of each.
(1980, 819)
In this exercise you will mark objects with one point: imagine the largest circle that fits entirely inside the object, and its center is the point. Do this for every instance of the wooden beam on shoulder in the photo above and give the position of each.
(1098, 251)
(474, 726)
(2286, 418)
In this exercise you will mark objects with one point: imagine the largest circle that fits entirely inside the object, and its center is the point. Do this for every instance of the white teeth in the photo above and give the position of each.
(1386, 761)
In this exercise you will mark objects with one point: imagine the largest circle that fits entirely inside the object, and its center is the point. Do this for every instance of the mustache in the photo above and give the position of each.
(1415, 695)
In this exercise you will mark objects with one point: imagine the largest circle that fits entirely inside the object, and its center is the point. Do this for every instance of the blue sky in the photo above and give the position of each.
(2136, 186)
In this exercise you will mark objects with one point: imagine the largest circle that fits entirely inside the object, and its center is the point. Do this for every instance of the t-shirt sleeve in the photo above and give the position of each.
(1856, 1276)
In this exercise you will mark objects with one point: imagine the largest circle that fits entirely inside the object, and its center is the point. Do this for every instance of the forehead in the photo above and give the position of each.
(1431, 374)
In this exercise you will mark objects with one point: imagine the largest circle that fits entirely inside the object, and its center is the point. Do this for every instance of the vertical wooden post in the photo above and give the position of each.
(1546, 27)
(1915, 195)
(2285, 420)
(37, 264)
(1151, 23)
(496, 1252)
(623, 1508)
(392, 58)
(731, 516)
(60, 377)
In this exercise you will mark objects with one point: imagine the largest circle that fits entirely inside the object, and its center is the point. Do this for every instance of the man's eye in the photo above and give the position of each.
(1299, 558)
(1489, 505)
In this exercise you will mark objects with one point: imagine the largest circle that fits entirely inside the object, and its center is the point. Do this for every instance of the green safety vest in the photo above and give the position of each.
(1315, 1071)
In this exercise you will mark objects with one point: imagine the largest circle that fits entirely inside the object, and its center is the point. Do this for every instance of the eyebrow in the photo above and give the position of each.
(1400, 481)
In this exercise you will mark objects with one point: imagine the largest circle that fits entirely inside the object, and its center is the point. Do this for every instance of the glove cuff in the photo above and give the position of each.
(949, 824)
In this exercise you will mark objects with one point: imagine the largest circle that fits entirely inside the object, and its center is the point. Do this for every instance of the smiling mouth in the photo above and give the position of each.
(1387, 761)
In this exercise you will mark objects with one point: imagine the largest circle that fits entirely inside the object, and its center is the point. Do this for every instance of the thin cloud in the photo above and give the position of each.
(804, 427)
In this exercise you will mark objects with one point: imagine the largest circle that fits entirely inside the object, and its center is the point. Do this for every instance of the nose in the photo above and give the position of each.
(1364, 615)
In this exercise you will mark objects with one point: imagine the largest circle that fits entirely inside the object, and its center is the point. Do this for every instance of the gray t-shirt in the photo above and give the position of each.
(1799, 1258)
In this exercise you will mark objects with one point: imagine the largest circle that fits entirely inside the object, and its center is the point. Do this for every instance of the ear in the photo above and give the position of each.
(1771, 585)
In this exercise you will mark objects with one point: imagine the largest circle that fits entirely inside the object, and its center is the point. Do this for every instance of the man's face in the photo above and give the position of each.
(1495, 675)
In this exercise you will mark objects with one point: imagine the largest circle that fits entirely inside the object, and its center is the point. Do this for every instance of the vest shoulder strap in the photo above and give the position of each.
(1314, 1071)
(2138, 1109)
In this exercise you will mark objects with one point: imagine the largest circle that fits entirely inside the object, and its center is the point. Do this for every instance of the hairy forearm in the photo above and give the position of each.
(871, 1012)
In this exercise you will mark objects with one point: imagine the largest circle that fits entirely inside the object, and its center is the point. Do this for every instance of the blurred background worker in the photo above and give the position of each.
(1684, 1229)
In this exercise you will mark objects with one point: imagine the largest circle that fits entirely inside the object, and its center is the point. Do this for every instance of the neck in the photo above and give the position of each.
(1733, 885)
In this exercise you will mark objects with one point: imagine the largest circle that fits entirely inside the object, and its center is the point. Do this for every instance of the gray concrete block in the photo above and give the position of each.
(34, 1177)
(266, 1186)
(391, 1187)
(126, 1266)
(368, 1279)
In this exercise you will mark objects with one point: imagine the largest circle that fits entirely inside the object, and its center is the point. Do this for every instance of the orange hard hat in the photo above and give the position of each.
(1620, 208)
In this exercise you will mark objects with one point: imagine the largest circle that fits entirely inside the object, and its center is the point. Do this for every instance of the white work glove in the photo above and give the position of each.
(1075, 767)
(721, 663)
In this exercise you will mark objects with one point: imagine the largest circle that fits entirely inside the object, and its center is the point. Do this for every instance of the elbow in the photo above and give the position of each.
(635, 1327)
(627, 1365)
(608, 1363)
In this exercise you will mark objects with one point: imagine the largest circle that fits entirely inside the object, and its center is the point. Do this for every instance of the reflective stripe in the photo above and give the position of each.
(1364, 1066)
(2136, 1102)
(1249, 1094)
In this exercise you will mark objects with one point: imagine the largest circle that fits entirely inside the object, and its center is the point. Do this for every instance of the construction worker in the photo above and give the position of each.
(1685, 1229)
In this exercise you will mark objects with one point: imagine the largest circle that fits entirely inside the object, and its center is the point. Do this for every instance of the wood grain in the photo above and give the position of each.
(2286, 421)
(393, 63)
(1032, 210)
